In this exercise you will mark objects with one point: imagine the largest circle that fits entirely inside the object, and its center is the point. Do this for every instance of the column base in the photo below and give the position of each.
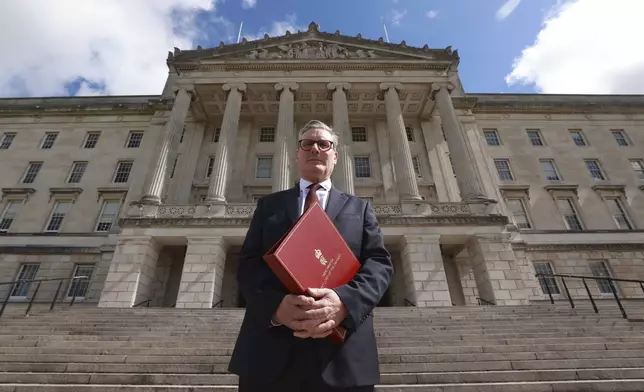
(481, 206)
(150, 200)
(415, 207)
(142, 210)
(211, 209)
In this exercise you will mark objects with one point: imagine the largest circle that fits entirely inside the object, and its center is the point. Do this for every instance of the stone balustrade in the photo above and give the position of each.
(241, 210)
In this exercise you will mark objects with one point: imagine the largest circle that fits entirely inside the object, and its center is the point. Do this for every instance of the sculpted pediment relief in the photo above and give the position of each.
(313, 50)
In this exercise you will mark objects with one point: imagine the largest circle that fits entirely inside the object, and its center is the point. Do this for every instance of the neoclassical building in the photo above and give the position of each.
(151, 196)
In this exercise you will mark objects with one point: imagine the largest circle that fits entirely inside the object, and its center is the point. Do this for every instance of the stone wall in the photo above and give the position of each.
(628, 264)
(50, 266)
(421, 255)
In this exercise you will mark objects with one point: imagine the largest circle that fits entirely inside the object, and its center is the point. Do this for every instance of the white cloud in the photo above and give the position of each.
(120, 45)
(396, 16)
(507, 8)
(431, 14)
(246, 4)
(586, 47)
(278, 28)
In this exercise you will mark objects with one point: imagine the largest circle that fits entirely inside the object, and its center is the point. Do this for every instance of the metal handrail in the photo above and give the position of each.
(482, 300)
(583, 279)
(409, 302)
(147, 301)
(221, 302)
(40, 281)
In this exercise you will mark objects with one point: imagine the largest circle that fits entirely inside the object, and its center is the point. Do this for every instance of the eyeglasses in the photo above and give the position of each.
(323, 145)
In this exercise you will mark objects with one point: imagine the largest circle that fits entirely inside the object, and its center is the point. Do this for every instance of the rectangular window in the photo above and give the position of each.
(264, 166)
(174, 166)
(598, 269)
(58, 216)
(619, 214)
(492, 137)
(76, 174)
(358, 134)
(547, 283)
(134, 139)
(503, 169)
(210, 165)
(569, 214)
(108, 215)
(9, 214)
(78, 287)
(416, 163)
(620, 137)
(549, 169)
(362, 166)
(594, 169)
(578, 138)
(215, 135)
(32, 172)
(410, 134)
(91, 139)
(122, 173)
(518, 213)
(7, 139)
(267, 134)
(49, 140)
(27, 272)
(638, 168)
(535, 137)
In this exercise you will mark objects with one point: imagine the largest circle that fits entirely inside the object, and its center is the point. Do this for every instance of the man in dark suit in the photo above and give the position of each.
(282, 344)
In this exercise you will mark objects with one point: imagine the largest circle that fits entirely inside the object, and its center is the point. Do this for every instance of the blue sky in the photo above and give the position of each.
(119, 47)
(487, 44)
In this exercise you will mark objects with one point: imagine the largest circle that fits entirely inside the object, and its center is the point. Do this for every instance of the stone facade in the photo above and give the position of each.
(151, 196)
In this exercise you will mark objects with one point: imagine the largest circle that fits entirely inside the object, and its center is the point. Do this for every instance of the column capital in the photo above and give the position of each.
(436, 87)
(387, 85)
(284, 85)
(190, 89)
(236, 86)
(339, 85)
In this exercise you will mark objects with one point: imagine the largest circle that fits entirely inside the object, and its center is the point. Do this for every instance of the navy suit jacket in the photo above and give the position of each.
(261, 352)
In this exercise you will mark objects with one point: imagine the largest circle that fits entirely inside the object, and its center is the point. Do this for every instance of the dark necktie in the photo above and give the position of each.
(311, 196)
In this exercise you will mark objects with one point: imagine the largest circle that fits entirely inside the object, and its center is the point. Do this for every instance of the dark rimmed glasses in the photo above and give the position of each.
(323, 145)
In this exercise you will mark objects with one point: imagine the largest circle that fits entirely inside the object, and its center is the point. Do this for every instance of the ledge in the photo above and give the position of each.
(18, 191)
(100, 192)
(74, 192)
(609, 188)
(561, 187)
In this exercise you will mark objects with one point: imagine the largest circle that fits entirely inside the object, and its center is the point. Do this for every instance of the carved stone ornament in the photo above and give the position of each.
(305, 50)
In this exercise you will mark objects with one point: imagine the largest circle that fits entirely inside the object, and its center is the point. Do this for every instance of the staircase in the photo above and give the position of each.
(460, 349)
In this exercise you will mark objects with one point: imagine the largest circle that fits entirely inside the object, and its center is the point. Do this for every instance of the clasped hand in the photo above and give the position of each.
(313, 315)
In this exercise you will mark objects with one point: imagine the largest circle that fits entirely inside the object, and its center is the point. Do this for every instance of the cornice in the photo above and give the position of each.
(84, 105)
(491, 220)
(50, 249)
(320, 65)
(550, 104)
(576, 247)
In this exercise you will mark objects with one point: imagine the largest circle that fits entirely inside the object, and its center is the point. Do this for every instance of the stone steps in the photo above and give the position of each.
(635, 385)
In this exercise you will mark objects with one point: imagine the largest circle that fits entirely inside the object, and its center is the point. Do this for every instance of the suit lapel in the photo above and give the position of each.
(293, 202)
(337, 199)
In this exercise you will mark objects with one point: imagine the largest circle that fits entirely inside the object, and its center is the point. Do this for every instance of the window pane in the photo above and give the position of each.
(123, 170)
(49, 140)
(9, 214)
(7, 139)
(32, 172)
(600, 269)
(620, 138)
(594, 169)
(518, 213)
(27, 272)
(264, 167)
(619, 214)
(362, 167)
(410, 134)
(92, 139)
(549, 170)
(416, 163)
(108, 215)
(546, 282)
(492, 138)
(569, 214)
(78, 169)
(359, 134)
(503, 168)
(535, 138)
(134, 140)
(267, 134)
(78, 287)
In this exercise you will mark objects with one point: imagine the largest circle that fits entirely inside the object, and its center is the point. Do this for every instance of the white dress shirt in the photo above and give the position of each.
(322, 193)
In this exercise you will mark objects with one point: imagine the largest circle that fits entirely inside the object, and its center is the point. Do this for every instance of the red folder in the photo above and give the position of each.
(313, 254)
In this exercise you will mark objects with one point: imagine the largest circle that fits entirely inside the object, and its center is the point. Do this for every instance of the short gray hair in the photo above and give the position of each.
(313, 124)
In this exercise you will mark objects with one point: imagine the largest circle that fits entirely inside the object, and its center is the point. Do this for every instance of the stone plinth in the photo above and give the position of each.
(203, 273)
(424, 271)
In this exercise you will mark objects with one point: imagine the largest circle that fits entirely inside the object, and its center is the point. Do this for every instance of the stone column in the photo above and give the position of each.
(283, 138)
(203, 272)
(469, 183)
(344, 172)
(219, 176)
(424, 271)
(132, 271)
(401, 154)
(496, 270)
(155, 182)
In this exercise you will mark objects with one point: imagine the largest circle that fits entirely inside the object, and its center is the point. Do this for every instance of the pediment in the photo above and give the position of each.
(312, 45)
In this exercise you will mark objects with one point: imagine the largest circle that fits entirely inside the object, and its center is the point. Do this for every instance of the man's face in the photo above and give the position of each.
(316, 165)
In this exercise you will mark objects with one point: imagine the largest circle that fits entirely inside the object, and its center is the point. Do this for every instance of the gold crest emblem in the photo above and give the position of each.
(320, 257)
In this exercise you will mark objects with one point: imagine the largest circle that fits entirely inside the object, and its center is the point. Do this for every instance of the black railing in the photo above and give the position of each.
(610, 280)
(146, 302)
(409, 303)
(484, 301)
(220, 304)
(17, 284)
